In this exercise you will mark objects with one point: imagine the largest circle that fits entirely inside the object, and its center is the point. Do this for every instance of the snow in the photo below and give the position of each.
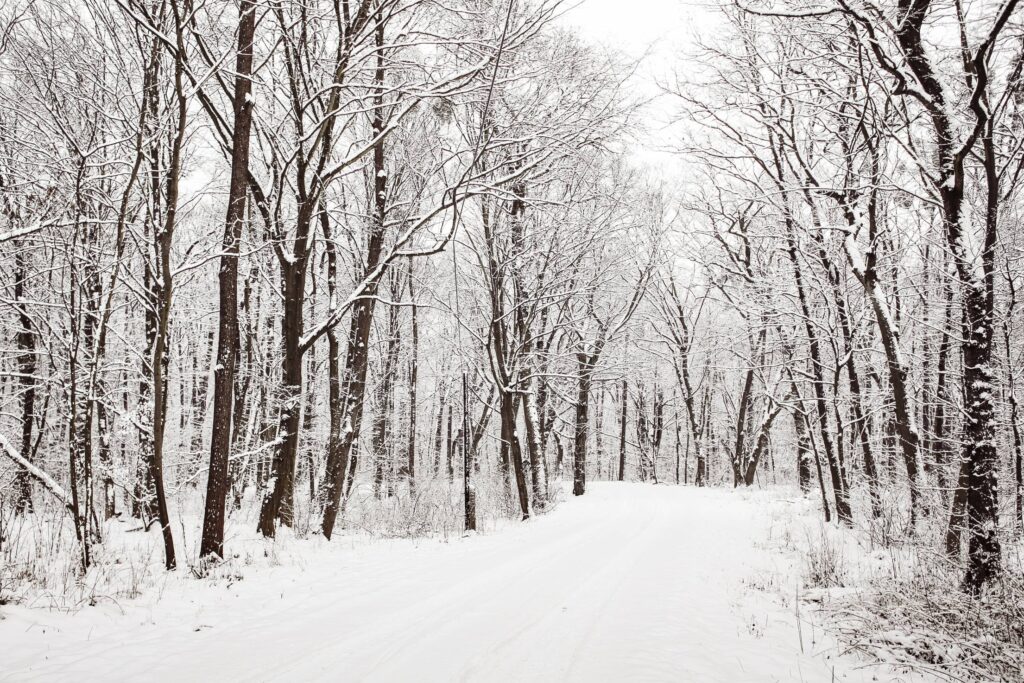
(629, 582)
(854, 256)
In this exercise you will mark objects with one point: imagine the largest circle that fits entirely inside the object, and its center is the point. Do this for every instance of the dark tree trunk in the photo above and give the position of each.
(308, 421)
(940, 434)
(701, 475)
(678, 427)
(480, 428)
(860, 425)
(658, 431)
(599, 433)
(839, 485)
(585, 365)
(468, 491)
(339, 471)
(106, 460)
(439, 426)
(25, 340)
(242, 406)
(144, 505)
(624, 404)
(450, 446)
(380, 436)
(803, 450)
(978, 453)
(279, 503)
(164, 293)
(335, 404)
(410, 446)
(739, 449)
(1018, 446)
(509, 415)
(224, 373)
(642, 434)
(680, 332)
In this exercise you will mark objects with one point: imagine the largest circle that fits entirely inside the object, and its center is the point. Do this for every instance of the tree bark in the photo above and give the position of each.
(25, 341)
(224, 373)
(410, 446)
(585, 365)
(337, 474)
(624, 399)
(509, 414)
(839, 485)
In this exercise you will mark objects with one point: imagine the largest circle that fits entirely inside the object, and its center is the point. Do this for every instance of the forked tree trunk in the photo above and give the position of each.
(739, 449)
(164, 293)
(340, 471)
(761, 445)
(978, 454)
(839, 485)
(509, 414)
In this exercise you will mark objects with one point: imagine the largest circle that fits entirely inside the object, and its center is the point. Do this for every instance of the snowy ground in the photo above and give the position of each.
(630, 582)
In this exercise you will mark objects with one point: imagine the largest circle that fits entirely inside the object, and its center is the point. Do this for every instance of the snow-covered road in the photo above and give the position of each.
(628, 583)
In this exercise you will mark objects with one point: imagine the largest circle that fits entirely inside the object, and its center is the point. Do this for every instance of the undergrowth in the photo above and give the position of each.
(40, 559)
(895, 597)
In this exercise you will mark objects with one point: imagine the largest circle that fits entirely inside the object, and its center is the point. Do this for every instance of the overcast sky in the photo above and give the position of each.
(633, 25)
(629, 25)
(665, 33)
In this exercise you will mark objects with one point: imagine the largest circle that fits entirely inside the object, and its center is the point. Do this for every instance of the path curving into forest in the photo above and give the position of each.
(628, 583)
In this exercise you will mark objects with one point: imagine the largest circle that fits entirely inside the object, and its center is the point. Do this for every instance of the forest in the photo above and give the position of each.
(287, 281)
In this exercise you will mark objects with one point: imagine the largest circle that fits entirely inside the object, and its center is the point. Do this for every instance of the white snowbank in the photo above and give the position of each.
(630, 582)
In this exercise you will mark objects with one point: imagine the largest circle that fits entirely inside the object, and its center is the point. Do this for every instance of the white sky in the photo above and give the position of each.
(632, 25)
(668, 32)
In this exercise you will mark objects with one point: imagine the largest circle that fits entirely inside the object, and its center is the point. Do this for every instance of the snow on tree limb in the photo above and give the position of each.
(48, 482)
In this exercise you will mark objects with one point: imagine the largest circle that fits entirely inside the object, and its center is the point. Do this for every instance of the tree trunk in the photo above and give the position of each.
(940, 437)
(279, 503)
(803, 451)
(164, 298)
(509, 414)
(624, 398)
(439, 425)
(468, 490)
(585, 364)
(860, 425)
(764, 436)
(25, 341)
(839, 485)
(410, 446)
(224, 373)
(450, 446)
(337, 474)
(380, 435)
(538, 473)
(739, 452)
